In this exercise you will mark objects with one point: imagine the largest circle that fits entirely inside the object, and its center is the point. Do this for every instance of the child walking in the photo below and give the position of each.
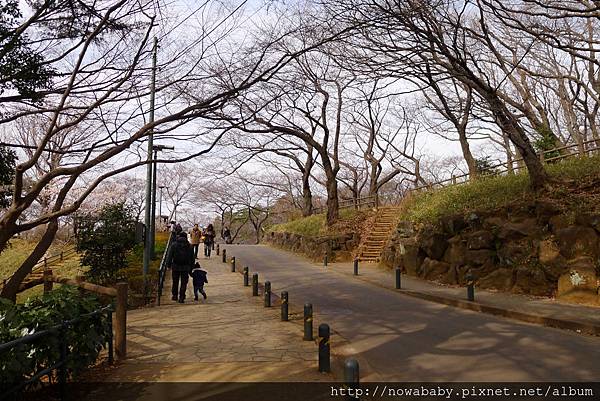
(198, 278)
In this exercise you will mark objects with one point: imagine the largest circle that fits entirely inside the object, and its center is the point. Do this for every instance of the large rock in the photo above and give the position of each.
(434, 269)
(456, 253)
(589, 220)
(516, 230)
(451, 276)
(433, 244)
(580, 283)
(520, 211)
(493, 223)
(516, 252)
(557, 223)
(499, 279)
(405, 229)
(576, 241)
(531, 280)
(548, 252)
(481, 239)
(453, 224)
(545, 210)
(479, 257)
(410, 256)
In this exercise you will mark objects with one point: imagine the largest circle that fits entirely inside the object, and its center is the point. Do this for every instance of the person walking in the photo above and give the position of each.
(195, 235)
(198, 279)
(209, 238)
(227, 235)
(180, 260)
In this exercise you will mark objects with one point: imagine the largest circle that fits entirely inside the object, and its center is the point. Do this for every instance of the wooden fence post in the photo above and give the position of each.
(47, 277)
(120, 321)
(542, 157)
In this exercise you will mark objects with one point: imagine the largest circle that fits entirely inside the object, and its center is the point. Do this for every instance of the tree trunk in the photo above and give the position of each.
(537, 174)
(467, 155)
(11, 288)
(307, 207)
(333, 206)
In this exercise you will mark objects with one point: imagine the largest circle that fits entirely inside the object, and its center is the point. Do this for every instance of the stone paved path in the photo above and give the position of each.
(231, 337)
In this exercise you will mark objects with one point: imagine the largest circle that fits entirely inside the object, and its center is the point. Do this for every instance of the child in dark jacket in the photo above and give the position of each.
(199, 278)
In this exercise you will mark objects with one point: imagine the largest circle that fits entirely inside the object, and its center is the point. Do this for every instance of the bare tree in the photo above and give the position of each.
(97, 89)
(447, 38)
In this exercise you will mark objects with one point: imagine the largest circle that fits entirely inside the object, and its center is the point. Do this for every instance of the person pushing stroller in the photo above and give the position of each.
(198, 280)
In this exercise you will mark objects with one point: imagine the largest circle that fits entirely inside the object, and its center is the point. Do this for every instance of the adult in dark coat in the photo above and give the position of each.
(180, 260)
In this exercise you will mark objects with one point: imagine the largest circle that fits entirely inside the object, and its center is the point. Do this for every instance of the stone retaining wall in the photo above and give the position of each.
(526, 249)
(338, 248)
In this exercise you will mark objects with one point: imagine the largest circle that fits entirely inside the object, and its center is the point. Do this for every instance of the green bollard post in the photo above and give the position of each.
(351, 374)
(308, 322)
(246, 272)
(284, 306)
(324, 348)
(470, 287)
(255, 285)
(267, 294)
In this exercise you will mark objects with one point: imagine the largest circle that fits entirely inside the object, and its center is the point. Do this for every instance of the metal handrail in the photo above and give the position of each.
(162, 270)
(61, 364)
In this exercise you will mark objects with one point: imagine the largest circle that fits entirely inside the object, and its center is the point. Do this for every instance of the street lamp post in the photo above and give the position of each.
(156, 149)
(148, 216)
(161, 187)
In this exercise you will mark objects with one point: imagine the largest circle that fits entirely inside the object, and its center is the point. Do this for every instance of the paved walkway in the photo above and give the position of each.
(402, 338)
(540, 310)
(230, 337)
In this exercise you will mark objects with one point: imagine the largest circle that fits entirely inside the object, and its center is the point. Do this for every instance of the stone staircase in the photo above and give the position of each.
(372, 245)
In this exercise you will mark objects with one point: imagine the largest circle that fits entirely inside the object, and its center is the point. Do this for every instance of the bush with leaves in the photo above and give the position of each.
(85, 338)
(104, 239)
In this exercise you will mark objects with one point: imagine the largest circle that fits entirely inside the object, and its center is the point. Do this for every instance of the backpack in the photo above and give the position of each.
(180, 254)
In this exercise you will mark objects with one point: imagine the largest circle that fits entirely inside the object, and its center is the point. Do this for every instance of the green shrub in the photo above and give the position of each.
(85, 338)
(104, 239)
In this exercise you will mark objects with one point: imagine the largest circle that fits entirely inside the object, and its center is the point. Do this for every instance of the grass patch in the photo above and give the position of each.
(315, 225)
(133, 273)
(489, 193)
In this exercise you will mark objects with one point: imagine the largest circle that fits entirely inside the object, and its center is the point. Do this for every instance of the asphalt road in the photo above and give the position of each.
(399, 338)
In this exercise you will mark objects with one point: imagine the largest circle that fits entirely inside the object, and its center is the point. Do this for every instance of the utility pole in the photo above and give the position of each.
(161, 187)
(156, 149)
(148, 217)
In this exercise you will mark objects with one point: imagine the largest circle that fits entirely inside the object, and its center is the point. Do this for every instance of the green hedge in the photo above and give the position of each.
(85, 338)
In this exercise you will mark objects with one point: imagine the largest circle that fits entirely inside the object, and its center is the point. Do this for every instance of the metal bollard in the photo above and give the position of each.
(224, 255)
(470, 287)
(356, 266)
(218, 249)
(351, 373)
(324, 349)
(246, 272)
(255, 285)
(325, 259)
(233, 264)
(284, 306)
(308, 322)
(398, 278)
(267, 294)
